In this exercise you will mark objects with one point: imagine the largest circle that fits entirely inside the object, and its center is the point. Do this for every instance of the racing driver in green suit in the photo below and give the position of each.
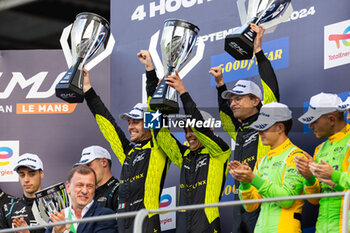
(275, 174)
(328, 171)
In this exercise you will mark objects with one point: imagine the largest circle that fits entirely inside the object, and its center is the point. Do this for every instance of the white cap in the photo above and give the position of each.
(243, 87)
(31, 161)
(135, 113)
(319, 105)
(91, 153)
(344, 105)
(270, 114)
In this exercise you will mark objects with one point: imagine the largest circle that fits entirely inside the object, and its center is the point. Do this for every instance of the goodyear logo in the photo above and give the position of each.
(343, 106)
(240, 85)
(277, 51)
(25, 159)
(313, 108)
(264, 114)
(260, 126)
(308, 119)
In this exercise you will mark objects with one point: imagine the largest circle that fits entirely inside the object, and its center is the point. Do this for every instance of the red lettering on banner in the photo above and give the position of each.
(338, 56)
(6, 172)
(165, 221)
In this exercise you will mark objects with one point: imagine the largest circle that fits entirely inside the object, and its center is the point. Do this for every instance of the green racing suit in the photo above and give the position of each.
(336, 152)
(276, 176)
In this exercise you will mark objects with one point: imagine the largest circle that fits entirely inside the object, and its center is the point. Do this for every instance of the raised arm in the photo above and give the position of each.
(152, 80)
(266, 72)
(106, 122)
(229, 123)
(215, 145)
(170, 145)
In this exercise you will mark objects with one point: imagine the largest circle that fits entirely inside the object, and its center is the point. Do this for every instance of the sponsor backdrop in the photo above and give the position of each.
(33, 120)
(310, 53)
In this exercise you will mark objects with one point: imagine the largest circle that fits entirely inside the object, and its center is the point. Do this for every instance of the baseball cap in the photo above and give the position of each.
(319, 105)
(135, 113)
(29, 160)
(243, 87)
(344, 105)
(270, 114)
(91, 153)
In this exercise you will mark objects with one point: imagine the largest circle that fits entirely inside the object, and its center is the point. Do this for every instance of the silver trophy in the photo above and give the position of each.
(178, 40)
(49, 200)
(88, 33)
(240, 43)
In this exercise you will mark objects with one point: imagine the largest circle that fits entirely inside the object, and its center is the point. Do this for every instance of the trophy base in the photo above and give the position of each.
(68, 88)
(240, 44)
(69, 93)
(165, 106)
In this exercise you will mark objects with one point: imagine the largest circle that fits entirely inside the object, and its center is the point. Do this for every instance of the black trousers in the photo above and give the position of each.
(150, 225)
(243, 221)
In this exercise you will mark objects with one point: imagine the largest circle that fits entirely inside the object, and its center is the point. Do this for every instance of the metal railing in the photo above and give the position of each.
(83, 220)
(142, 214)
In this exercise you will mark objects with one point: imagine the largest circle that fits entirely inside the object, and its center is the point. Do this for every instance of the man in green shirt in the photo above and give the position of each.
(328, 170)
(275, 174)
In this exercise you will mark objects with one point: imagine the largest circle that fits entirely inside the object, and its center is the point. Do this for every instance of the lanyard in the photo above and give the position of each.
(72, 228)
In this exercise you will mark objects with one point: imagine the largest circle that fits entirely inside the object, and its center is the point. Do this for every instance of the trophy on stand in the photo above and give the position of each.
(88, 33)
(178, 40)
(240, 43)
(49, 200)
